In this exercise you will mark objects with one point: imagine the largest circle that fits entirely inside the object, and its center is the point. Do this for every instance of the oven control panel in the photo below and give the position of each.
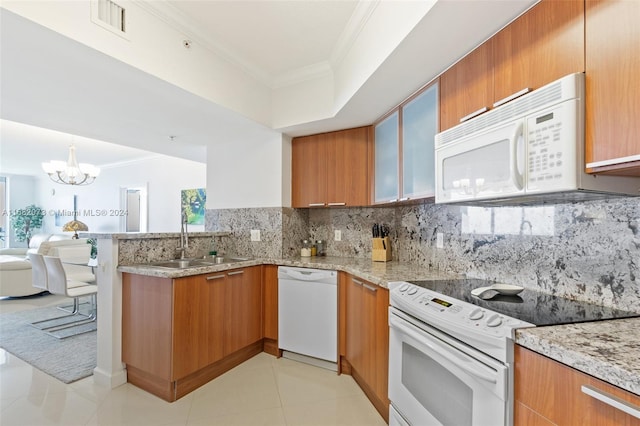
(451, 314)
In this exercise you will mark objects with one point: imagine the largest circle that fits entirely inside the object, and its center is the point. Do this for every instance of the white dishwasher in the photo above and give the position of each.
(308, 314)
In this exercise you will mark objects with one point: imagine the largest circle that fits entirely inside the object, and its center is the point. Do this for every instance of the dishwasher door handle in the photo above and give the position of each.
(304, 275)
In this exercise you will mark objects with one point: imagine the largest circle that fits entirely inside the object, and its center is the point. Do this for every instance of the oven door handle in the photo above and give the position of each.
(466, 364)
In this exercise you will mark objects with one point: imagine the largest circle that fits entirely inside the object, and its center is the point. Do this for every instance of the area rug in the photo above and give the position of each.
(67, 360)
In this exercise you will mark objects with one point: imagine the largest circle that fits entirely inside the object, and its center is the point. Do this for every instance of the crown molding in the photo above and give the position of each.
(132, 161)
(302, 74)
(352, 31)
(197, 33)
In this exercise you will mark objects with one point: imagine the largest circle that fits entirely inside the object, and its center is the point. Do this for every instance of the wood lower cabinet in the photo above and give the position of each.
(243, 309)
(199, 316)
(613, 88)
(270, 309)
(331, 169)
(366, 342)
(178, 334)
(550, 393)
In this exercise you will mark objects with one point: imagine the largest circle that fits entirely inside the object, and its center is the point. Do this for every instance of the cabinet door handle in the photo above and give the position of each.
(336, 204)
(512, 97)
(473, 114)
(214, 277)
(404, 199)
(612, 400)
(316, 204)
(370, 288)
(395, 200)
(235, 273)
(356, 282)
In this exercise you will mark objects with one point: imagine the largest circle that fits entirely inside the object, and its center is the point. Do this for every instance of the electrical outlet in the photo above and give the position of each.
(439, 240)
(337, 235)
(255, 235)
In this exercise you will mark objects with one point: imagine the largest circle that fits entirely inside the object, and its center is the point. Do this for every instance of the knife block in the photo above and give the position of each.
(381, 249)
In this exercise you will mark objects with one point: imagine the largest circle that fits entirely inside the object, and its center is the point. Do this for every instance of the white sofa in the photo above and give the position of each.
(15, 268)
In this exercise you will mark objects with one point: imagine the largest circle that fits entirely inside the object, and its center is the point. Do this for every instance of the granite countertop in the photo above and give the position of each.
(379, 273)
(148, 235)
(608, 350)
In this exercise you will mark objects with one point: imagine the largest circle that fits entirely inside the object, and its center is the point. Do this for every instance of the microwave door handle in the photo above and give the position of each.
(517, 150)
(443, 352)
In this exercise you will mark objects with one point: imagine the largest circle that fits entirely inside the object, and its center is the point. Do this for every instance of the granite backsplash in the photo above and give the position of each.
(588, 250)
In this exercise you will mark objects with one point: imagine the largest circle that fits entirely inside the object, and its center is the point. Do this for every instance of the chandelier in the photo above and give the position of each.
(71, 173)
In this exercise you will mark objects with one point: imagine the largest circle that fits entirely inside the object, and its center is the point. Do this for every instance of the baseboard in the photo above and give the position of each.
(210, 372)
(381, 406)
(270, 346)
(161, 388)
(310, 360)
(103, 378)
(345, 367)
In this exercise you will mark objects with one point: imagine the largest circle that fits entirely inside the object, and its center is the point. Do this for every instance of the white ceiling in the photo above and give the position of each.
(53, 82)
(272, 37)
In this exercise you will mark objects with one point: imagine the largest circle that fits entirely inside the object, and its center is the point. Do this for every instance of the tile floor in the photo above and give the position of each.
(262, 391)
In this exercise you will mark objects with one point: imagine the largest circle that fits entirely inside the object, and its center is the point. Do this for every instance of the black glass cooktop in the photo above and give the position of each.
(531, 306)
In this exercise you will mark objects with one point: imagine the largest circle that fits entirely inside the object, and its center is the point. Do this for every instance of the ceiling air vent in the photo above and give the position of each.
(109, 15)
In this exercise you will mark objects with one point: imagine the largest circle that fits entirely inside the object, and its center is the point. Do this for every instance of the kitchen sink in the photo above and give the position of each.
(198, 262)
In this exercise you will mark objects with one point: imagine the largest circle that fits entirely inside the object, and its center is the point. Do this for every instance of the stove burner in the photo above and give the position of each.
(530, 306)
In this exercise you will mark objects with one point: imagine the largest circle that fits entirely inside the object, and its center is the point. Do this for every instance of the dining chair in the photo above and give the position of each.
(38, 271)
(40, 279)
(60, 284)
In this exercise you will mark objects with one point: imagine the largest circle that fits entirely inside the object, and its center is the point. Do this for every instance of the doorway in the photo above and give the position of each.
(133, 201)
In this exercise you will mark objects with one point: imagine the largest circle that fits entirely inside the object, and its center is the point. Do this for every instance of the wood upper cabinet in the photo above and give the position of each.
(613, 87)
(467, 87)
(367, 338)
(331, 169)
(348, 167)
(543, 45)
(550, 393)
(309, 171)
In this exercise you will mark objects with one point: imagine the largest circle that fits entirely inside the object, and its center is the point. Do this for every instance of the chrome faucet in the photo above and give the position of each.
(184, 236)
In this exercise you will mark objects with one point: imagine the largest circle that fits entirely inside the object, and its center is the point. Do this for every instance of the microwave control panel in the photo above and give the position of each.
(551, 148)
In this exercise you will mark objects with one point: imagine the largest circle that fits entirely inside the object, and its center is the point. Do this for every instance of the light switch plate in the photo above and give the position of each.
(255, 235)
(439, 240)
(337, 235)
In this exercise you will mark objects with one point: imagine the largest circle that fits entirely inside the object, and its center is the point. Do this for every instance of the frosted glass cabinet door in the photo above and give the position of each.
(419, 127)
(386, 159)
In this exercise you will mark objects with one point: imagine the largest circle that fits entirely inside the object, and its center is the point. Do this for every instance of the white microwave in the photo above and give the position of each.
(527, 151)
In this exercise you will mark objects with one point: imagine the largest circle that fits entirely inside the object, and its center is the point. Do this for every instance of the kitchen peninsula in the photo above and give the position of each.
(126, 253)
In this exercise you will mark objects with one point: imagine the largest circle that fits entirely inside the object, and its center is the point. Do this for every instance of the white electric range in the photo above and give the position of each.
(451, 353)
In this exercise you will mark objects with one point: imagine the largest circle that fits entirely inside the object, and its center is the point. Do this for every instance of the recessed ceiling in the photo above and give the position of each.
(51, 81)
(277, 37)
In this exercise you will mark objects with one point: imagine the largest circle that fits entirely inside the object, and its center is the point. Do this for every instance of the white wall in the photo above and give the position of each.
(163, 176)
(250, 172)
(155, 46)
